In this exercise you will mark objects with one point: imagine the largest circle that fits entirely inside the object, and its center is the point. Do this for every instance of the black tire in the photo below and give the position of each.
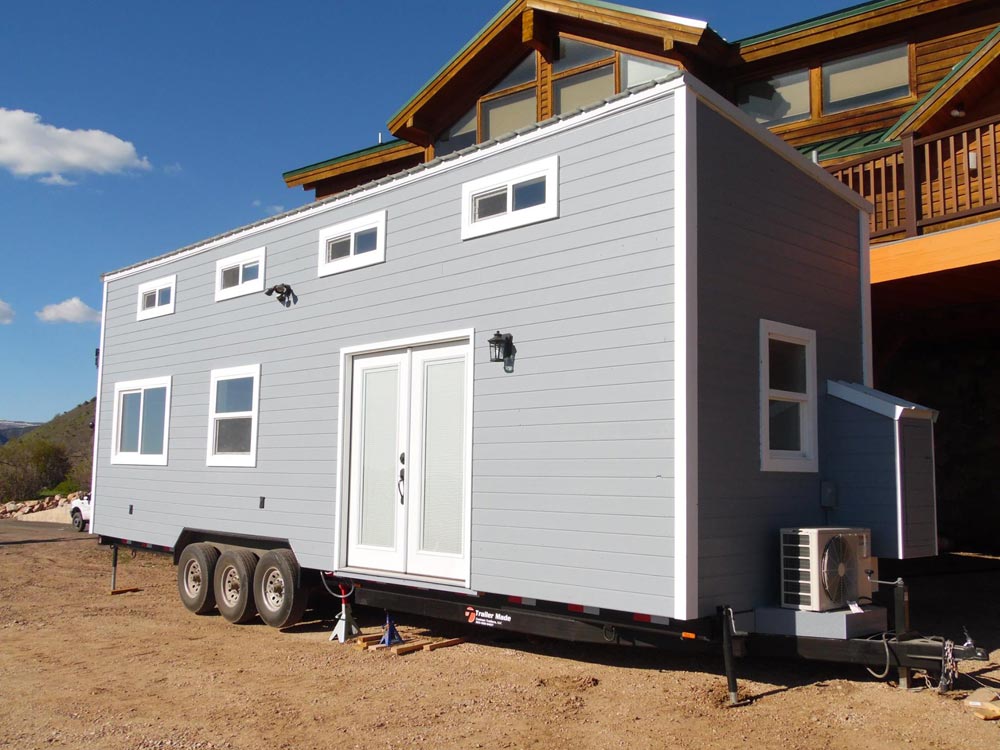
(233, 585)
(78, 523)
(277, 588)
(195, 570)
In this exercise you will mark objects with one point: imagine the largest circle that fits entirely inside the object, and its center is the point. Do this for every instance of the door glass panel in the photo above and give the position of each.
(380, 420)
(444, 440)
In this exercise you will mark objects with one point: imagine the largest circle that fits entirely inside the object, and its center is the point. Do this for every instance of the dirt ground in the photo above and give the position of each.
(82, 669)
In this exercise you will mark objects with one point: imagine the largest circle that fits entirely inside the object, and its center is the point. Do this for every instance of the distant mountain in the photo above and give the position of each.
(72, 430)
(10, 430)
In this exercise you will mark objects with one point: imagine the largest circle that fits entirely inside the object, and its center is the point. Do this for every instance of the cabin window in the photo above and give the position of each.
(788, 417)
(782, 98)
(581, 89)
(862, 80)
(141, 421)
(240, 274)
(513, 198)
(156, 298)
(636, 70)
(461, 135)
(232, 424)
(352, 244)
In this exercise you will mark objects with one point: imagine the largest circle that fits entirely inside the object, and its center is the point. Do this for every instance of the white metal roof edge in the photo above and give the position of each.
(878, 402)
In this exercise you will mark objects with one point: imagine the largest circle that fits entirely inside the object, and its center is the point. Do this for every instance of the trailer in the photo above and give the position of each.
(606, 378)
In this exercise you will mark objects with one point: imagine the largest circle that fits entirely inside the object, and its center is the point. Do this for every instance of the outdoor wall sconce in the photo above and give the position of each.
(502, 349)
(285, 294)
(958, 110)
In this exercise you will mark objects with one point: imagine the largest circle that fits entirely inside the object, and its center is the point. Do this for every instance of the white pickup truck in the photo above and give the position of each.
(79, 509)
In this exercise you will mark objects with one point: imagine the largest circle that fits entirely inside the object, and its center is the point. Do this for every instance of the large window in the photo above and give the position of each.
(352, 244)
(782, 98)
(232, 422)
(240, 274)
(141, 422)
(862, 80)
(788, 413)
(156, 298)
(522, 195)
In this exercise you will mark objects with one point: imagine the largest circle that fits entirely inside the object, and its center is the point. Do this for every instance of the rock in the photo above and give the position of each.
(74, 496)
(65, 501)
(11, 507)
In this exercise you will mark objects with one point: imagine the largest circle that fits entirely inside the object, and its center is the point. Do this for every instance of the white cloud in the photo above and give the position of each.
(257, 203)
(6, 313)
(269, 209)
(73, 310)
(32, 148)
(173, 169)
(274, 208)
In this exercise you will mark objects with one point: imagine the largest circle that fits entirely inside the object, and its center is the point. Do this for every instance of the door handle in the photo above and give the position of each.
(399, 484)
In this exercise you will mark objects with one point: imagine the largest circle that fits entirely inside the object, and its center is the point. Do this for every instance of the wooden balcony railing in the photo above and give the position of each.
(954, 174)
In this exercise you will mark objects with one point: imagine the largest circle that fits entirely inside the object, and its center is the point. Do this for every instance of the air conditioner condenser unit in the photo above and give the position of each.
(823, 568)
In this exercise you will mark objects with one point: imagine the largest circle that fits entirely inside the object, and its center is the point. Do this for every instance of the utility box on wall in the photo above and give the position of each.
(879, 452)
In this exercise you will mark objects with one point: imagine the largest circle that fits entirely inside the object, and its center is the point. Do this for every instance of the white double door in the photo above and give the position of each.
(410, 447)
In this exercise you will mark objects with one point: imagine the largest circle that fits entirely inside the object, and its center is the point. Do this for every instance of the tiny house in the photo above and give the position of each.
(583, 365)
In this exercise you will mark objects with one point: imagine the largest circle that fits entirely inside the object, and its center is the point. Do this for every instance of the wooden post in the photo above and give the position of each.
(911, 187)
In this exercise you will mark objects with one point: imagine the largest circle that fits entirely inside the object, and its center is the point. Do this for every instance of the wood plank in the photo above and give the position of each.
(443, 644)
(408, 648)
(940, 251)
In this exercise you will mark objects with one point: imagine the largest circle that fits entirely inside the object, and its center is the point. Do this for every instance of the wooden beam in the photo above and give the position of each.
(536, 32)
(940, 251)
(668, 44)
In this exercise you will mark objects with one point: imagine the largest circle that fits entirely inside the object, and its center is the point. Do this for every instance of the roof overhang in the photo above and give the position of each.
(523, 25)
(975, 77)
(381, 155)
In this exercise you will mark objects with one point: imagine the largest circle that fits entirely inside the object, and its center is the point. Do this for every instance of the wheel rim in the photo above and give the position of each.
(192, 578)
(230, 586)
(273, 589)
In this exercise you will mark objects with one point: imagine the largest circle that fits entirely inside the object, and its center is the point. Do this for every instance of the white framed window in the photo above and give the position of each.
(141, 422)
(352, 244)
(788, 415)
(156, 298)
(513, 198)
(232, 416)
(240, 274)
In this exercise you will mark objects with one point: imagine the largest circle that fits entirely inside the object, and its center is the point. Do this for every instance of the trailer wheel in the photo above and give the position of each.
(233, 585)
(278, 590)
(78, 523)
(194, 577)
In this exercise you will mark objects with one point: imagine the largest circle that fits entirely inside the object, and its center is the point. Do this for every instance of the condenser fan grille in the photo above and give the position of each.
(838, 568)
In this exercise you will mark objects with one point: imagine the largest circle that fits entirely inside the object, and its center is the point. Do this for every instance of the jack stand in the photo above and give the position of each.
(390, 636)
(114, 566)
(346, 628)
(729, 659)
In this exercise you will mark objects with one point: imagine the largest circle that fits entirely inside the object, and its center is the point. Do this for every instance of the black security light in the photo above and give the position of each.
(284, 292)
(502, 349)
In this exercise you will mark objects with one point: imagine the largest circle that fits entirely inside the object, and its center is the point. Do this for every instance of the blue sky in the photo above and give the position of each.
(130, 128)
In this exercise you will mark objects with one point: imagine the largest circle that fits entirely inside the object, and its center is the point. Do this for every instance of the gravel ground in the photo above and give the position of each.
(82, 669)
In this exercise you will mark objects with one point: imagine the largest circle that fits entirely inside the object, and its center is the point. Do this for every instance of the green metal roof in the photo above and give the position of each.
(810, 23)
(851, 145)
(344, 157)
(955, 72)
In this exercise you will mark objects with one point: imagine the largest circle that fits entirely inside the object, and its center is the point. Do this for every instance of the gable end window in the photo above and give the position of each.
(352, 244)
(240, 274)
(232, 416)
(788, 412)
(141, 422)
(863, 80)
(517, 197)
(156, 298)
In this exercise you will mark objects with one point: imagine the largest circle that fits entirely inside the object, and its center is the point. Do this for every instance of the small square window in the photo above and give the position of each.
(156, 298)
(352, 244)
(141, 422)
(232, 422)
(240, 274)
(788, 415)
(517, 197)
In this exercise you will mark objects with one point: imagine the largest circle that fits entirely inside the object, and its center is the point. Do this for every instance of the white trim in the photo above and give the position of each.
(351, 228)
(900, 520)
(233, 459)
(167, 282)
(547, 168)
(878, 402)
(97, 408)
(138, 458)
(685, 238)
(807, 458)
(257, 255)
(347, 355)
(864, 259)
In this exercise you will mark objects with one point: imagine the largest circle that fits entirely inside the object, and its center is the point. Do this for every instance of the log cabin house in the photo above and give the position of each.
(898, 99)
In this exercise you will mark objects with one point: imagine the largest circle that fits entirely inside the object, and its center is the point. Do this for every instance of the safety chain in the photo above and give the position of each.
(949, 667)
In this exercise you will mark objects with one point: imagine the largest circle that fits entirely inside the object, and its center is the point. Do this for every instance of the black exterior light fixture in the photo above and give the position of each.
(502, 349)
(285, 294)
